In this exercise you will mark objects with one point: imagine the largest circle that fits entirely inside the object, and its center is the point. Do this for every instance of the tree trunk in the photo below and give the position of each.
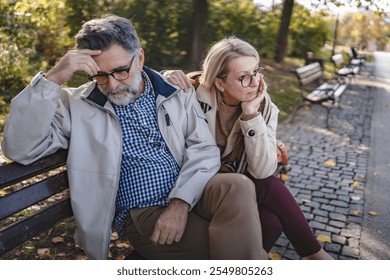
(281, 44)
(198, 27)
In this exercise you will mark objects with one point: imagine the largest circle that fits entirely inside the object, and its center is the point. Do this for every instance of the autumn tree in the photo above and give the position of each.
(282, 39)
(198, 33)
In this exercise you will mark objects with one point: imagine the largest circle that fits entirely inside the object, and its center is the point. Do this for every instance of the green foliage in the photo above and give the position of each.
(32, 37)
(359, 29)
(163, 27)
(309, 32)
(244, 20)
(80, 11)
(13, 69)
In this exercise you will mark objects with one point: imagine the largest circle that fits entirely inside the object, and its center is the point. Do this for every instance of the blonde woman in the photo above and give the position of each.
(243, 120)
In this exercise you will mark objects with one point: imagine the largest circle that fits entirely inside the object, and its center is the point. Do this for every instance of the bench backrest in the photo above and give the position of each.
(337, 59)
(308, 74)
(25, 186)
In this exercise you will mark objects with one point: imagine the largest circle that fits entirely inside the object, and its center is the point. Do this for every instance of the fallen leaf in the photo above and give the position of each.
(355, 184)
(114, 236)
(356, 212)
(58, 196)
(324, 238)
(274, 256)
(2, 193)
(43, 251)
(284, 177)
(373, 213)
(35, 208)
(330, 163)
(57, 239)
(122, 245)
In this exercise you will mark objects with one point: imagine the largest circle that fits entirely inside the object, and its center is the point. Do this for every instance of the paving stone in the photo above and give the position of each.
(305, 209)
(342, 193)
(317, 225)
(338, 217)
(291, 255)
(318, 194)
(350, 232)
(333, 248)
(321, 219)
(342, 211)
(334, 230)
(327, 207)
(330, 196)
(355, 219)
(339, 239)
(321, 212)
(350, 252)
(354, 226)
(313, 204)
(353, 242)
(344, 198)
(337, 224)
(338, 203)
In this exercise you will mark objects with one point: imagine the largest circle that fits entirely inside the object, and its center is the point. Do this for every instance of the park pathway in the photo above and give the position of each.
(329, 169)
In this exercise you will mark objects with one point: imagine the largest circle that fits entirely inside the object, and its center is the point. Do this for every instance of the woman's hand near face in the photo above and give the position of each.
(250, 108)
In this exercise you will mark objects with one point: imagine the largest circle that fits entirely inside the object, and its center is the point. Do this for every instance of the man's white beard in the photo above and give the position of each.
(124, 94)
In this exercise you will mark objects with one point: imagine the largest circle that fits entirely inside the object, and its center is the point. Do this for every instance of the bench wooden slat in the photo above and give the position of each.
(14, 172)
(32, 226)
(342, 69)
(32, 194)
(315, 90)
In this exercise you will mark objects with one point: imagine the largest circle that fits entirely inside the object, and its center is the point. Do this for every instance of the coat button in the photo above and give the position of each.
(251, 132)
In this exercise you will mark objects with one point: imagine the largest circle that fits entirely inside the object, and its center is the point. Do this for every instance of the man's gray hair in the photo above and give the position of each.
(100, 34)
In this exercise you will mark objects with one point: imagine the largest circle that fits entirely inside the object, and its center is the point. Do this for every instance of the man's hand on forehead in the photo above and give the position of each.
(72, 62)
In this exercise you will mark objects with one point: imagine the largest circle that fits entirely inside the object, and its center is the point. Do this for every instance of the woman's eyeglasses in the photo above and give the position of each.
(246, 80)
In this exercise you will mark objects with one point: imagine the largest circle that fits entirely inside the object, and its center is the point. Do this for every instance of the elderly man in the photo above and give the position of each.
(141, 156)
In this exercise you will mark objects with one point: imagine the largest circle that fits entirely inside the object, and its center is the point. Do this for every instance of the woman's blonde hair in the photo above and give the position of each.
(217, 60)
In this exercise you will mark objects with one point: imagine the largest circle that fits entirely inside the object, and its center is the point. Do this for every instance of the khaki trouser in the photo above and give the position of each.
(225, 224)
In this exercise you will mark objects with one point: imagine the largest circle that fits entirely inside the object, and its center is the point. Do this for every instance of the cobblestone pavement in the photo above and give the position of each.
(329, 169)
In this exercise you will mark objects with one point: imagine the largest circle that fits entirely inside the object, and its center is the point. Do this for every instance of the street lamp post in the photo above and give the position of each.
(335, 34)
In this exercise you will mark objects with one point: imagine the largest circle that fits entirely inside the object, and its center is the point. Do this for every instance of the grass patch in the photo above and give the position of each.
(282, 84)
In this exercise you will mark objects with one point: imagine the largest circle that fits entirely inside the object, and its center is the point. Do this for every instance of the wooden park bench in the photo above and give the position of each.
(355, 58)
(343, 69)
(43, 183)
(316, 90)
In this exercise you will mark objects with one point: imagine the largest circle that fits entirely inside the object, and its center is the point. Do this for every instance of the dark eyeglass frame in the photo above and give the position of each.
(243, 77)
(93, 78)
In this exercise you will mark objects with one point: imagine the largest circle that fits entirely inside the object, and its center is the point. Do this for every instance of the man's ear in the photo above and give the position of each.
(218, 83)
(141, 58)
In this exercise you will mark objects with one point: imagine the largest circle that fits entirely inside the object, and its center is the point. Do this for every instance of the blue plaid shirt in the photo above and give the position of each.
(148, 170)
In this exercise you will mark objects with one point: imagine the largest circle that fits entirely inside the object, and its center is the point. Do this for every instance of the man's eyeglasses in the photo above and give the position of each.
(120, 75)
(246, 80)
